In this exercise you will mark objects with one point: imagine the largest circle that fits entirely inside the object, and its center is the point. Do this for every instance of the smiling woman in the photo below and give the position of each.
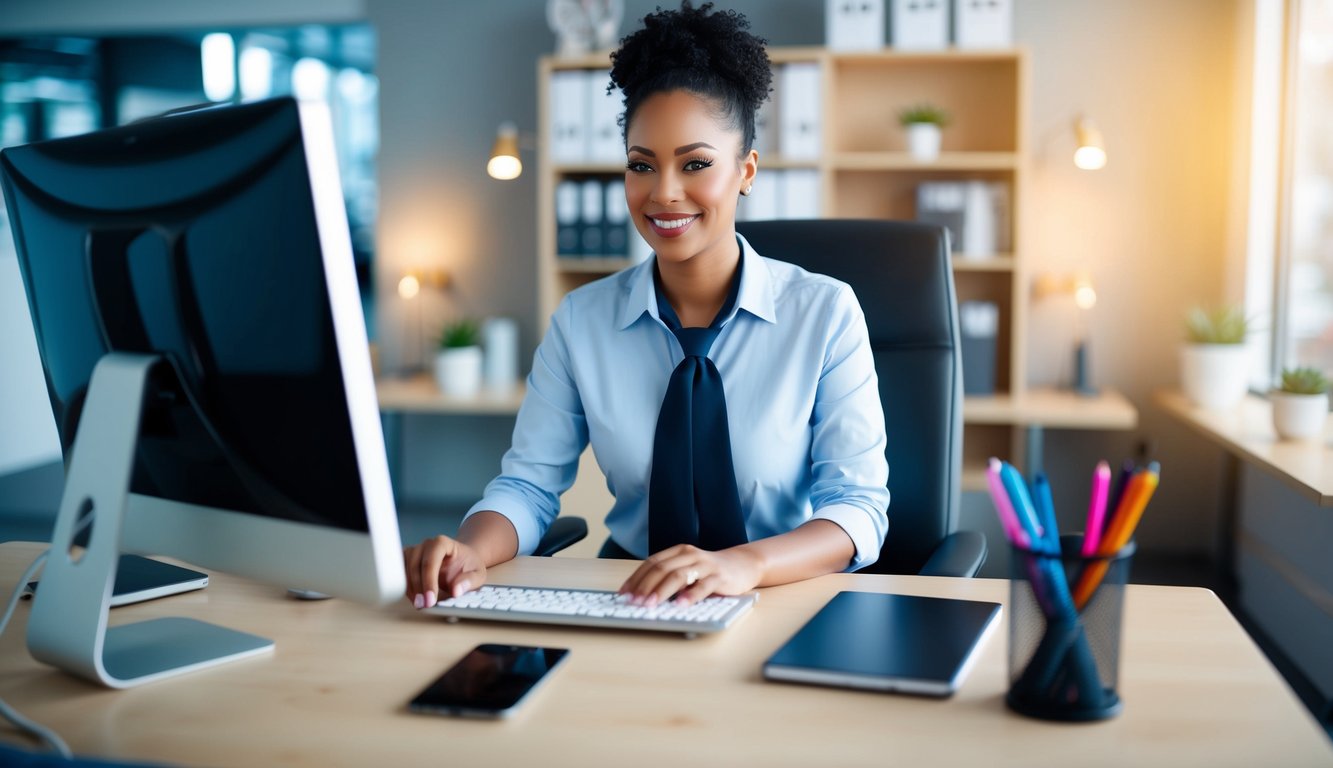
(731, 400)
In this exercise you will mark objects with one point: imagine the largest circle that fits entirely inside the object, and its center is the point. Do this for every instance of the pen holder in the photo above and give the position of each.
(1064, 632)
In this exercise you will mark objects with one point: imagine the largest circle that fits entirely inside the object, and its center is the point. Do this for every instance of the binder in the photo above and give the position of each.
(603, 129)
(567, 214)
(943, 203)
(767, 127)
(920, 25)
(569, 116)
(615, 238)
(592, 220)
(976, 213)
(979, 323)
(854, 25)
(764, 201)
(983, 23)
(800, 194)
(800, 111)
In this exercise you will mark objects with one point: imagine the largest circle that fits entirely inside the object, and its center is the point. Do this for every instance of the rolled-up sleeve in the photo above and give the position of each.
(850, 474)
(549, 435)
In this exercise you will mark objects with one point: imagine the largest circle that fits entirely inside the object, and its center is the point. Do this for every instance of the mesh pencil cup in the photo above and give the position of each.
(1065, 616)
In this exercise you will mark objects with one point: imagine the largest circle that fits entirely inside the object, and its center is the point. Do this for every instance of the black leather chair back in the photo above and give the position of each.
(901, 274)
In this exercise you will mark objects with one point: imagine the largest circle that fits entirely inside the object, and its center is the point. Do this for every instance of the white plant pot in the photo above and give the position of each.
(458, 371)
(1297, 417)
(1214, 376)
(923, 141)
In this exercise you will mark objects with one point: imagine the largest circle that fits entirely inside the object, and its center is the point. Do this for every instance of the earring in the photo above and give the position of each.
(746, 191)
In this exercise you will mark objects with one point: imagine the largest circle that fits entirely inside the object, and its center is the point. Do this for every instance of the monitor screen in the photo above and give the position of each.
(217, 240)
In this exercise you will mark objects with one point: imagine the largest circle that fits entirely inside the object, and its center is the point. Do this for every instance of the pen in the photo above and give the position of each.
(1018, 495)
(1004, 507)
(1117, 493)
(1041, 495)
(1101, 482)
(1140, 490)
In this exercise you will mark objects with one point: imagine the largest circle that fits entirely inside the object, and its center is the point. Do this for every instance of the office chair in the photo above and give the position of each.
(901, 274)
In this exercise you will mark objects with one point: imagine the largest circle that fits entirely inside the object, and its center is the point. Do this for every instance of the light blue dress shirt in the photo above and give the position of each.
(807, 427)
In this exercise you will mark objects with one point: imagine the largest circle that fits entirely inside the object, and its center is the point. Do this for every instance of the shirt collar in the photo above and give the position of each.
(756, 296)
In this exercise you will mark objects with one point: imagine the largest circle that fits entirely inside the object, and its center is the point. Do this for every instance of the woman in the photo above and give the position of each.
(730, 400)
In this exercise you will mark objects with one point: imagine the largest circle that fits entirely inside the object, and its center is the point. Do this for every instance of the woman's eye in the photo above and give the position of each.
(697, 165)
(637, 166)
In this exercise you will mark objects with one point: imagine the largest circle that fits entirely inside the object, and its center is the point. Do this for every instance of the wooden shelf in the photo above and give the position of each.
(1247, 431)
(419, 394)
(903, 161)
(1056, 408)
(592, 265)
(999, 263)
(588, 169)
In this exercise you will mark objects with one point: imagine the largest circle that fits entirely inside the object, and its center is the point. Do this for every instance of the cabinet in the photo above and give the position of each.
(864, 171)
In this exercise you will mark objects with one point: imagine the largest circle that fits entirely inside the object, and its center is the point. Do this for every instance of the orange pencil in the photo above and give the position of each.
(1127, 517)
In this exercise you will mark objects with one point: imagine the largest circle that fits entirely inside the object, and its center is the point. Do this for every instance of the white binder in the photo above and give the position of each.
(592, 219)
(920, 25)
(615, 241)
(800, 111)
(767, 127)
(800, 194)
(763, 202)
(854, 25)
(567, 218)
(983, 23)
(569, 116)
(603, 133)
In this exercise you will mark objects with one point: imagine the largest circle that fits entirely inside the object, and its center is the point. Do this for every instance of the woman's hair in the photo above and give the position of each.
(713, 55)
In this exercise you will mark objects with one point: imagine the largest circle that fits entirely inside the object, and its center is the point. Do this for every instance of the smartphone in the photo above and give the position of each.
(141, 578)
(489, 682)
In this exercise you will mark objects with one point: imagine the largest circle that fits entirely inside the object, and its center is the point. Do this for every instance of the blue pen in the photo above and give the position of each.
(1041, 493)
(1018, 495)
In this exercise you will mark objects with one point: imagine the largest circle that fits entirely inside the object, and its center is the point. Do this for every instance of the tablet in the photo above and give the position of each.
(884, 642)
(141, 578)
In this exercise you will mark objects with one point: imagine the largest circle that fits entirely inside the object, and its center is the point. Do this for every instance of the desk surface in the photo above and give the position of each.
(1247, 431)
(420, 394)
(1197, 691)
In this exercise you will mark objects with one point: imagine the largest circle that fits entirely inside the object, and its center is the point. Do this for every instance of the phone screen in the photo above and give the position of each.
(489, 681)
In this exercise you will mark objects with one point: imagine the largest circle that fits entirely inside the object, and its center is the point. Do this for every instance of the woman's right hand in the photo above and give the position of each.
(440, 568)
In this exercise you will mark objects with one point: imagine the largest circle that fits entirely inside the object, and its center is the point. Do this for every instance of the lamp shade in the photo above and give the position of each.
(1091, 152)
(504, 163)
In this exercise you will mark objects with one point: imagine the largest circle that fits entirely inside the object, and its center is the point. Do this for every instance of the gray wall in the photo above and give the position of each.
(1155, 227)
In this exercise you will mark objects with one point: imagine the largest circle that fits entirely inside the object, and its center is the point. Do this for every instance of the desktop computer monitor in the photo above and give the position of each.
(191, 284)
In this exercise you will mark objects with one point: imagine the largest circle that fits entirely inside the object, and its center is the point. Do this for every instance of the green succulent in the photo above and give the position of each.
(1304, 381)
(463, 333)
(1220, 325)
(923, 113)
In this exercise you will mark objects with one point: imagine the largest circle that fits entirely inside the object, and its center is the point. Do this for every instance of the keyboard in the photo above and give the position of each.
(593, 608)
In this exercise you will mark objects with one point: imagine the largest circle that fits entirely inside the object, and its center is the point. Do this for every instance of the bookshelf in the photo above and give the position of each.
(865, 171)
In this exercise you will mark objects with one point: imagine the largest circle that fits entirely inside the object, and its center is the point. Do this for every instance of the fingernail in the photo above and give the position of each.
(419, 602)
(462, 588)
(652, 601)
(430, 598)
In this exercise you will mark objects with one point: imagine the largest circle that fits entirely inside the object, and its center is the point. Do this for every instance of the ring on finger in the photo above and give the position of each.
(691, 576)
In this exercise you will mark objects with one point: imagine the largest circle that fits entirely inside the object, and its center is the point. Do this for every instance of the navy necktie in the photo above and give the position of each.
(692, 496)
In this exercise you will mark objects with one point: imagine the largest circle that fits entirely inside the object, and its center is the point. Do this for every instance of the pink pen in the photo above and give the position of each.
(1004, 507)
(1101, 485)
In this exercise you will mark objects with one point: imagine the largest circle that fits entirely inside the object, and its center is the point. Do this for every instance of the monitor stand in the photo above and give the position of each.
(68, 626)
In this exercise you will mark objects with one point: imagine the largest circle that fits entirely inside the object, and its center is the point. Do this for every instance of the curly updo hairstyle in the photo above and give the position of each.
(712, 55)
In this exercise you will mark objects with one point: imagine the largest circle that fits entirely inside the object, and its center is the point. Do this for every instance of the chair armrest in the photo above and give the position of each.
(565, 531)
(960, 554)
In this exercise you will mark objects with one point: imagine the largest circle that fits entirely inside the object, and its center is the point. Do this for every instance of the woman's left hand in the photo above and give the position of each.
(691, 574)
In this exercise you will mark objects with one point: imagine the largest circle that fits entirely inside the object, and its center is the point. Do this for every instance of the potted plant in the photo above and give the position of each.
(458, 363)
(1300, 403)
(923, 123)
(1214, 364)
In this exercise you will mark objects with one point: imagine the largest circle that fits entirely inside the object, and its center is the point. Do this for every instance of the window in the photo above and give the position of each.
(56, 86)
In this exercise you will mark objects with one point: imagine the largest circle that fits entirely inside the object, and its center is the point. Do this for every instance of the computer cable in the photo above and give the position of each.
(40, 732)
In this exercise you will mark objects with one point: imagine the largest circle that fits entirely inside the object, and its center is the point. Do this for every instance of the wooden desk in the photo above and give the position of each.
(1196, 690)
(1247, 432)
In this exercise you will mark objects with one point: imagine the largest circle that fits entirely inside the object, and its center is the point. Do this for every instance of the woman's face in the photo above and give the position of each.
(684, 175)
